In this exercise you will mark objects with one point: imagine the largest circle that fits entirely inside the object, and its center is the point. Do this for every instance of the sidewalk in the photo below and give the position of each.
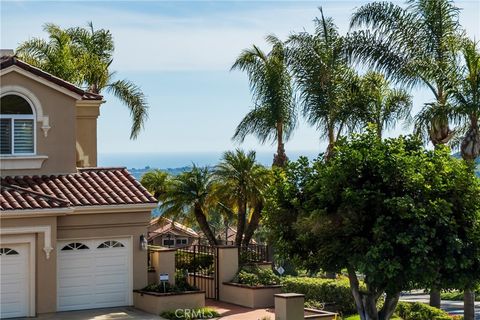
(234, 312)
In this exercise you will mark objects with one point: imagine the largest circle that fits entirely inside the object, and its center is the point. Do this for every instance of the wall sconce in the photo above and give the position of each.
(143, 243)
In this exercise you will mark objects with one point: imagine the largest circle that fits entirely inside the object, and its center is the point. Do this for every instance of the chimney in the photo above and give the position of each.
(7, 53)
(87, 114)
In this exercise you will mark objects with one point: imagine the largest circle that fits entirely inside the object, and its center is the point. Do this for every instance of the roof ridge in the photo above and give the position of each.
(40, 194)
(88, 169)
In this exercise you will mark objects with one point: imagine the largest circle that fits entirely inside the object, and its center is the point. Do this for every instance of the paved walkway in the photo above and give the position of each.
(121, 313)
(234, 312)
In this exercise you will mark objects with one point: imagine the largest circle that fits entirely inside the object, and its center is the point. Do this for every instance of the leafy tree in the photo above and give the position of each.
(156, 182)
(83, 56)
(323, 78)
(398, 214)
(244, 181)
(190, 194)
(273, 116)
(415, 45)
(381, 104)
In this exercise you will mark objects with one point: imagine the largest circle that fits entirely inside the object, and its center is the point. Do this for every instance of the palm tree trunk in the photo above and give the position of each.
(280, 158)
(331, 143)
(469, 304)
(253, 224)
(242, 215)
(470, 147)
(204, 226)
(435, 299)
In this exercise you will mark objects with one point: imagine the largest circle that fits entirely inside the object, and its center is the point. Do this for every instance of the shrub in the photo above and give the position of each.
(420, 311)
(190, 261)
(456, 295)
(323, 291)
(190, 314)
(167, 287)
(254, 276)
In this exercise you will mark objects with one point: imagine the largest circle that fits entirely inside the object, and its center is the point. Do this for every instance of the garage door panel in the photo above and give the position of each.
(95, 277)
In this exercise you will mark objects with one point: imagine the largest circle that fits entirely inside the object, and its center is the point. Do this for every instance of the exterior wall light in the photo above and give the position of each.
(143, 243)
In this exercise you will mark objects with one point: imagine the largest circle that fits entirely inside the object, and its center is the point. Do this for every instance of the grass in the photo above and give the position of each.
(357, 317)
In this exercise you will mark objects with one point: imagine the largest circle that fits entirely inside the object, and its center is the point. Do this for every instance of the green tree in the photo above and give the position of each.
(273, 117)
(156, 182)
(400, 215)
(241, 176)
(83, 56)
(382, 105)
(415, 45)
(190, 194)
(324, 79)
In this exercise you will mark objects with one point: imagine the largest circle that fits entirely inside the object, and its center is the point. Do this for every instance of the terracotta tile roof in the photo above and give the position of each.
(88, 187)
(8, 61)
(166, 225)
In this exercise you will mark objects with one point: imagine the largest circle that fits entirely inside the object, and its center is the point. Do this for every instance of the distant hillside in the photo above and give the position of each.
(138, 173)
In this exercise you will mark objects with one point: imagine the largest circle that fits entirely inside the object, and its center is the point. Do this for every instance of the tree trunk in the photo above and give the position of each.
(204, 226)
(331, 143)
(280, 158)
(253, 224)
(389, 306)
(241, 217)
(435, 299)
(469, 304)
(470, 147)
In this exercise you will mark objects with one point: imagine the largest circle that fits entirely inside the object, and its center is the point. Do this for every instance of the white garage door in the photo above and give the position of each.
(14, 280)
(94, 273)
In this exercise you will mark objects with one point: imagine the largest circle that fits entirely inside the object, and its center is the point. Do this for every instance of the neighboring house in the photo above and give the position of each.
(71, 233)
(167, 233)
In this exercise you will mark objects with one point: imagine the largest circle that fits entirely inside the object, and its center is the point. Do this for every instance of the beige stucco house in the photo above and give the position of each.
(171, 234)
(72, 236)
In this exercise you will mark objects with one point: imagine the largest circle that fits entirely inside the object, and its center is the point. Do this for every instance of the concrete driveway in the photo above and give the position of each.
(121, 313)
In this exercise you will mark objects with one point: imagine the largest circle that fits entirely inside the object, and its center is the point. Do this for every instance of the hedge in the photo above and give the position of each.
(323, 291)
(421, 311)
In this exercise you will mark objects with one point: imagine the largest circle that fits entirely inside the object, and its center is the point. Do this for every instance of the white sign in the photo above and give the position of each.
(163, 276)
(280, 270)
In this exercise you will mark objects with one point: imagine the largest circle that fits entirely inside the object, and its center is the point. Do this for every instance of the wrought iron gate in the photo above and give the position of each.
(198, 266)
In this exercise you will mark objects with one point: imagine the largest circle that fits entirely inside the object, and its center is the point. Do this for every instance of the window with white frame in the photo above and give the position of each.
(181, 241)
(17, 126)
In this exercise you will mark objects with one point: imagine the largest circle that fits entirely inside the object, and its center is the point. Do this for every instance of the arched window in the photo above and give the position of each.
(110, 244)
(7, 252)
(17, 126)
(74, 246)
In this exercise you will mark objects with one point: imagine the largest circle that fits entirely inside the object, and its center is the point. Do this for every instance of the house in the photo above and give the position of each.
(72, 235)
(167, 233)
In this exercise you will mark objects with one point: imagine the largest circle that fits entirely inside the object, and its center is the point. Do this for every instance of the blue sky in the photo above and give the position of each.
(180, 54)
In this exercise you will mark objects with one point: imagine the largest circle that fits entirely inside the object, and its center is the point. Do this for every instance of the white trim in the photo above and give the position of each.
(42, 81)
(27, 95)
(18, 162)
(30, 240)
(115, 208)
(46, 230)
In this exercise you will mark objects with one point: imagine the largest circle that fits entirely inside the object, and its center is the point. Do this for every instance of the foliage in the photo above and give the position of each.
(156, 182)
(167, 287)
(321, 291)
(456, 295)
(390, 210)
(83, 56)
(420, 311)
(255, 276)
(190, 262)
(273, 116)
(190, 314)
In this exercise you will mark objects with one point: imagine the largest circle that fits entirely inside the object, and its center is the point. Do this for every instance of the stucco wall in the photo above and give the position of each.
(59, 145)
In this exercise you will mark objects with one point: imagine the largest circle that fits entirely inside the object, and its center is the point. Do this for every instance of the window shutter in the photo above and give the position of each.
(23, 136)
(5, 136)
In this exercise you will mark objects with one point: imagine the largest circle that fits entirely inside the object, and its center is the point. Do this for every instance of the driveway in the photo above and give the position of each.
(121, 313)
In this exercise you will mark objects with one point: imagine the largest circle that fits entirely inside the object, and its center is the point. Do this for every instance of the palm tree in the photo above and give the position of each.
(241, 176)
(466, 100)
(416, 45)
(273, 116)
(381, 104)
(156, 182)
(324, 80)
(83, 56)
(190, 194)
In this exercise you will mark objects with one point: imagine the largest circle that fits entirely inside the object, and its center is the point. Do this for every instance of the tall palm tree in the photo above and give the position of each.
(156, 182)
(324, 80)
(83, 56)
(416, 45)
(273, 115)
(190, 194)
(241, 176)
(466, 100)
(381, 104)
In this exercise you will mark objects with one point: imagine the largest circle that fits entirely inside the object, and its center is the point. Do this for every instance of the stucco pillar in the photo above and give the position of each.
(227, 266)
(86, 131)
(163, 261)
(289, 306)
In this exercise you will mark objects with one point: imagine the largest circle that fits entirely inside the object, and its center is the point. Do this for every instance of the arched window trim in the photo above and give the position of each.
(110, 244)
(75, 246)
(14, 117)
(8, 252)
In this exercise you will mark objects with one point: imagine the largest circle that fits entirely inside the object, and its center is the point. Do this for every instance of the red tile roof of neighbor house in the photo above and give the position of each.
(8, 61)
(88, 187)
(169, 226)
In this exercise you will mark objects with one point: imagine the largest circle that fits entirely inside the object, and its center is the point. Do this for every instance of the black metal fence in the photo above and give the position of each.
(197, 265)
(253, 253)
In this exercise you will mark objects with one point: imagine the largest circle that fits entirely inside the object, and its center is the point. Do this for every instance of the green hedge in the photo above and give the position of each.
(421, 311)
(255, 276)
(320, 291)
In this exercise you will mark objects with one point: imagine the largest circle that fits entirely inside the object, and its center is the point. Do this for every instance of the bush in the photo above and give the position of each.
(190, 262)
(420, 311)
(323, 291)
(254, 276)
(456, 295)
(161, 288)
(190, 314)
